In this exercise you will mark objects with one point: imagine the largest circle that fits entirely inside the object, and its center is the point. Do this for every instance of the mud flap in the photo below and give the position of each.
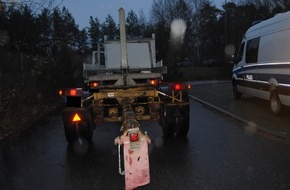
(136, 166)
(136, 161)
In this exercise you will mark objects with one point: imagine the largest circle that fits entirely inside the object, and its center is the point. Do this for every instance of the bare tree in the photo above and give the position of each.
(34, 5)
(271, 4)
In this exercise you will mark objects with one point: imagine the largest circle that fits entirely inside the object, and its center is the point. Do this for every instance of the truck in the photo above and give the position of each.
(124, 73)
(262, 65)
(124, 83)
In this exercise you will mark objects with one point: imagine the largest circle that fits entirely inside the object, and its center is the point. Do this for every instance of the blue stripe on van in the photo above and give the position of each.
(282, 78)
(267, 65)
(260, 80)
(283, 90)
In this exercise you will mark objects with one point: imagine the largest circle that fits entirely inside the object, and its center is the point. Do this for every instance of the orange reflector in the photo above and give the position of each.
(94, 84)
(60, 92)
(76, 118)
(153, 82)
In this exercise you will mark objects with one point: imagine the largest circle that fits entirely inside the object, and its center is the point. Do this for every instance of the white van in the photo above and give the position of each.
(262, 65)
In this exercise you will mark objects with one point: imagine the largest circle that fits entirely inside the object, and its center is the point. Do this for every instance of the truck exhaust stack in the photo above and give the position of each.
(123, 41)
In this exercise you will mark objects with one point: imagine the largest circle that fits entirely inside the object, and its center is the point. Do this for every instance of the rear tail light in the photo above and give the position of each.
(94, 84)
(71, 92)
(178, 86)
(154, 82)
(134, 137)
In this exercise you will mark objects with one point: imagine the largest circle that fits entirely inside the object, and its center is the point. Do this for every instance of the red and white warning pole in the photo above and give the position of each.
(135, 150)
(133, 140)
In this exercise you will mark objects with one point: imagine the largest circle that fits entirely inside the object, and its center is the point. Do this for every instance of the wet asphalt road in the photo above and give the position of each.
(253, 111)
(218, 154)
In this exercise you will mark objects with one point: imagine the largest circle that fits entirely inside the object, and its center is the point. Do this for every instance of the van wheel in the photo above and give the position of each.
(236, 92)
(275, 103)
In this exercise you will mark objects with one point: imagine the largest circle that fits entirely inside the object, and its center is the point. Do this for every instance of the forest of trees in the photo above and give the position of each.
(42, 48)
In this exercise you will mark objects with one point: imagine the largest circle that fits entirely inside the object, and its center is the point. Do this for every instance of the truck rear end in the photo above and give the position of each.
(124, 84)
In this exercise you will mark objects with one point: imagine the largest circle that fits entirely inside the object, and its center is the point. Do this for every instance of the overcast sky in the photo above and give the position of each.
(83, 9)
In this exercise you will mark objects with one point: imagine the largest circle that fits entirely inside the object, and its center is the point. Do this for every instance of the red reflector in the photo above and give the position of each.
(76, 118)
(134, 137)
(73, 92)
(177, 87)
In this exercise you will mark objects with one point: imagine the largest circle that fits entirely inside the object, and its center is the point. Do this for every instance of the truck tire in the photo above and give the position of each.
(85, 129)
(168, 127)
(275, 103)
(182, 126)
(182, 122)
(167, 121)
(175, 120)
(70, 134)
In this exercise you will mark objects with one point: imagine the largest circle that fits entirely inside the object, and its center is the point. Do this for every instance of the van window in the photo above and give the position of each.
(252, 50)
(240, 53)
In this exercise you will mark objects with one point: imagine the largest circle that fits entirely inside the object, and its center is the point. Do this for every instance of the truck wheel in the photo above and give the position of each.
(69, 133)
(167, 121)
(236, 92)
(182, 126)
(175, 121)
(182, 121)
(275, 103)
(168, 127)
(86, 130)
